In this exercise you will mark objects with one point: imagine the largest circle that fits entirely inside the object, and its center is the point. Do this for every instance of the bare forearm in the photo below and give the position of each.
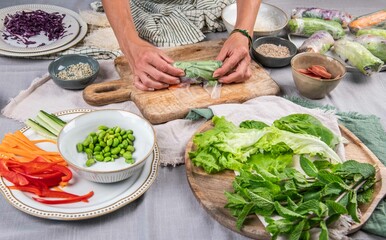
(246, 14)
(119, 15)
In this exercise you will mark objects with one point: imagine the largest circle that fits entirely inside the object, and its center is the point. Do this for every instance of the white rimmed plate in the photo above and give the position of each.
(70, 24)
(107, 197)
(298, 41)
(79, 36)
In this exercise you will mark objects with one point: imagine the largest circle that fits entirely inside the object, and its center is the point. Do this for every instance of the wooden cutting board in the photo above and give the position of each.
(209, 188)
(165, 105)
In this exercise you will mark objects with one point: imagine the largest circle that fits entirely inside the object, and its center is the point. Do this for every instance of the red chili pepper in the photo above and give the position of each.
(66, 200)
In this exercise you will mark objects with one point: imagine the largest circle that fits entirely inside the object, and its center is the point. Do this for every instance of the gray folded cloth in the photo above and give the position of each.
(171, 23)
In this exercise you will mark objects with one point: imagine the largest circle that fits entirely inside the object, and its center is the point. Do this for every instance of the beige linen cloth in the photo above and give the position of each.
(172, 136)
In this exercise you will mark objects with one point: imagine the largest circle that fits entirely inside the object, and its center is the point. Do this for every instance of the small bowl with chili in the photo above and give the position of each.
(74, 71)
(273, 52)
(316, 75)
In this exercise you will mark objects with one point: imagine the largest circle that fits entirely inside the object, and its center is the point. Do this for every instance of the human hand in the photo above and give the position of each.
(236, 59)
(151, 67)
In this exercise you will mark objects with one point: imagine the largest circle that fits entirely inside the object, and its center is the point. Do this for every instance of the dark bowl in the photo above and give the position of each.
(64, 61)
(273, 61)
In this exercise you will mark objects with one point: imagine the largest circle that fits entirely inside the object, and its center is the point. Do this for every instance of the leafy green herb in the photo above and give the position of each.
(314, 196)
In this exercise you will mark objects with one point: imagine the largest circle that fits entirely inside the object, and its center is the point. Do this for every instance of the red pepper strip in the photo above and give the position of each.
(13, 177)
(65, 171)
(67, 200)
(28, 188)
(57, 194)
(48, 179)
(36, 167)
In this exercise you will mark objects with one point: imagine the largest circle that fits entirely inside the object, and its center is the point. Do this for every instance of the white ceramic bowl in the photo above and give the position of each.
(76, 130)
(270, 20)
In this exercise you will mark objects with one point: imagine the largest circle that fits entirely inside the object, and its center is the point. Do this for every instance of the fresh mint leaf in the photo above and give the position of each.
(243, 215)
(291, 204)
(297, 232)
(352, 206)
(327, 177)
(335, 207)
(332, 189)
(235, 199)
(263, 203)
(324, 233)
(285, 212)
(310, 206)
(365, 196)
(308, 167)
(351, 167)
(277, 226)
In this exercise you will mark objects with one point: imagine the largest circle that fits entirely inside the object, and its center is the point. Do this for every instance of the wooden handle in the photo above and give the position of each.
(107, 92)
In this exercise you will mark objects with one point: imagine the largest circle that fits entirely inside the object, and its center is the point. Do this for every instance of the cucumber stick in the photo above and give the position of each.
(40, 129)
(46, 124)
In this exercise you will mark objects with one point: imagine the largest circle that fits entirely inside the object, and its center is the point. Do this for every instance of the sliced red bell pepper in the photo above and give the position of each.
(28, 188)
(11, 176)
(48, 179)
(57, 194)
(66, 172)
(66, 200)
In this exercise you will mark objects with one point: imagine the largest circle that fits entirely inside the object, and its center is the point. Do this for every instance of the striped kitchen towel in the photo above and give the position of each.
(171, 23)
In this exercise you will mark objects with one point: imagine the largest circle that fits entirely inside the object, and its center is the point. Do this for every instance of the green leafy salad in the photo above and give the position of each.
(292, 199)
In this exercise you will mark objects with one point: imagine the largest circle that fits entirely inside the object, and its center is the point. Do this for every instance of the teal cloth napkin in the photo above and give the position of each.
(367, 128)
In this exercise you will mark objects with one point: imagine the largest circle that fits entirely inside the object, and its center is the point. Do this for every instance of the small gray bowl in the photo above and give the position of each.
(273, 61)
(64, 61)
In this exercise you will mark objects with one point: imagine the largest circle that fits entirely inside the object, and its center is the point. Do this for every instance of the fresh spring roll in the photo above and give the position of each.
(371, 20)
(358, 56)
(307, 26)
(375, 44)
(372, 31)
(198, 71)
(343, 18)
(319, 42)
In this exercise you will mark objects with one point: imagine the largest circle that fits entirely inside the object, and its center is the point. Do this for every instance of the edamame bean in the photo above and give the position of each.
(107, 144)
(90, 162)
(79, 147)
(127, 155)
(99, 158)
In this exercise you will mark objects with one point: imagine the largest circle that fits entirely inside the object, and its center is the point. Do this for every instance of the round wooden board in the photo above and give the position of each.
(209, 188)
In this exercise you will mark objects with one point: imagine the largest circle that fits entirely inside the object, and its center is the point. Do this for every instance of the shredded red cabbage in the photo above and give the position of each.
(25, 24)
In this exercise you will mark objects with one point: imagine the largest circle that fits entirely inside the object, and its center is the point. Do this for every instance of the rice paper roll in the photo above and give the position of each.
(372, 31)
(371, 20)
(307, 26)
(319, 42)
(343, 18)
(375, 44)
(358, 56)
(198, 71)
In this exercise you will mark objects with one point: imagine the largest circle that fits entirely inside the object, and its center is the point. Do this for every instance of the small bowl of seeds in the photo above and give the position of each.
(273, 51)
(74, 71)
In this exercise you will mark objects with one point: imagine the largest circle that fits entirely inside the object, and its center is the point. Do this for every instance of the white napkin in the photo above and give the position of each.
(172, 137)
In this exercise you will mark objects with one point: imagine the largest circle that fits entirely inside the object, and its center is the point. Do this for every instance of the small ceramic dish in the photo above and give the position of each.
(76, 79)
(274, 62)
(270, 20)
(76, 131)
(312, 87)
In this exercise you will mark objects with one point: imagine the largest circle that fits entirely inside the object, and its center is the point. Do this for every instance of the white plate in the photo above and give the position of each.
(70, 24)
(107, 197)
(298, 41)
(79, 36)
